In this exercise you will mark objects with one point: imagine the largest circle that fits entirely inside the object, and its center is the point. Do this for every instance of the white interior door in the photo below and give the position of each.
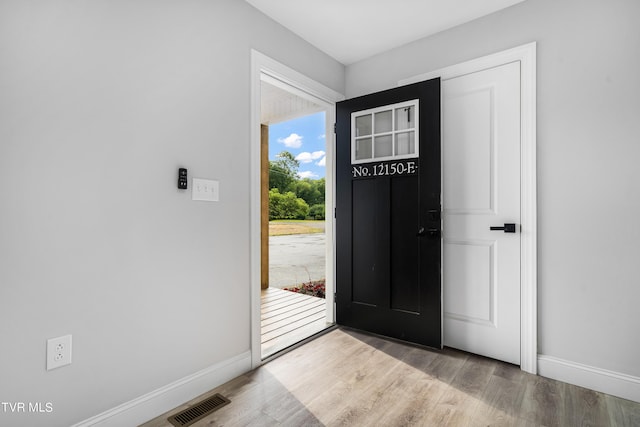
(481, 171)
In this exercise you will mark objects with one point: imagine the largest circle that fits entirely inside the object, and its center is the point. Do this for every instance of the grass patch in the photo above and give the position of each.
(283, 228)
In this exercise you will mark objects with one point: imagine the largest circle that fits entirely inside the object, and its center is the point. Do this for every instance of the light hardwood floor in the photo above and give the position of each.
(346, 378)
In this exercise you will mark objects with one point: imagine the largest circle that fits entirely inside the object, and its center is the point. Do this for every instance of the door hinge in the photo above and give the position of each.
(335, 213)
(335, 297)
(335, 127)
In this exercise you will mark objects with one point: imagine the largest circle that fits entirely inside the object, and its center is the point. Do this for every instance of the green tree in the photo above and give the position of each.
(286, 206)
(317, 212)
(320, 186)
(283, 171)
(311, 190)
(283, 176)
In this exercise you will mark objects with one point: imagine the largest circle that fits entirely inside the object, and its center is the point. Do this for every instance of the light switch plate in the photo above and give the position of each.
(205, 189)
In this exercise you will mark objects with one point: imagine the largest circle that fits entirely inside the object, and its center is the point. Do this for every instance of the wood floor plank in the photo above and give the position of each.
(455, 407)
(271, 295)
(407, 400)
(285, 298)
(584, 407)
(294, 306)
(511, 372)
(419, 406)
(290, 317)
(277, 344)
(277, 322)
(474, 375)
(501, 402)
(446, 366)
(286, 310)
(622, 412)
(292, 326)
(543, 402)
(331, 400)
(348, 378)
(282, 303)
(271, 317)
(367, 382)
(420, 359)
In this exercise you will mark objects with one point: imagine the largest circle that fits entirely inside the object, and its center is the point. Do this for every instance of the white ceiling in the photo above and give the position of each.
(278, 105)
(351, 30)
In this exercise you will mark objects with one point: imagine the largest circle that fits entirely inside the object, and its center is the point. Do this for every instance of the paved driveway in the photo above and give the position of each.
(295, 259)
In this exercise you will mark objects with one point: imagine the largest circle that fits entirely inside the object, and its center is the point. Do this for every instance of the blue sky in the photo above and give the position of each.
(305, 139)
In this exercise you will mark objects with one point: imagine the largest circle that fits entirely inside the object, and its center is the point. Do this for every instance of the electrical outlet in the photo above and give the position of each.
(58, 352)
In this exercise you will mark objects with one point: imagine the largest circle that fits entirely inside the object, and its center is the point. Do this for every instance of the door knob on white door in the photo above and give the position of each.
(508, 228)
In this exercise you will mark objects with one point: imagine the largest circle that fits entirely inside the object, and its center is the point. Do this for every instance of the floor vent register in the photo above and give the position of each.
(198, 411)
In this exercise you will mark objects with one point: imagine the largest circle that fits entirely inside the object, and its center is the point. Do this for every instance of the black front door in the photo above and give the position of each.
(388, 250)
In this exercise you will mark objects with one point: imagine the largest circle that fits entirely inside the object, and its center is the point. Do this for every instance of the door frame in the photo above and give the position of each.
(526, 54)
(264, 68)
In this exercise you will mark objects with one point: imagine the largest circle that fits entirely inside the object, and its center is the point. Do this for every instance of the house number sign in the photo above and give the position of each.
(405, 167)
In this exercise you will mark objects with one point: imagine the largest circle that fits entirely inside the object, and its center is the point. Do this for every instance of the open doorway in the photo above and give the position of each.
(295, 274)
(269, 71)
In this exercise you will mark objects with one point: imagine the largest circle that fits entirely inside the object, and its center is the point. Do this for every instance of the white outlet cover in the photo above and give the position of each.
(58, 352)
(205, 189)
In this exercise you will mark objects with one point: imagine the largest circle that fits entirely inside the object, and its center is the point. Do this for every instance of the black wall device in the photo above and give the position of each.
(182, 179)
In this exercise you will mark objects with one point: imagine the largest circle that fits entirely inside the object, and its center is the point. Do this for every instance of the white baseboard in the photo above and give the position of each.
(164, 399)
(609, 382)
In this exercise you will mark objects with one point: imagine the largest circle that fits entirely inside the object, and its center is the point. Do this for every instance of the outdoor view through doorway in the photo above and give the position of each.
(293, 296)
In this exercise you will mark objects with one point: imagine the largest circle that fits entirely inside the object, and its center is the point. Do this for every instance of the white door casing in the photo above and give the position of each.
(480, 247)
(264, 68)
(481, 188)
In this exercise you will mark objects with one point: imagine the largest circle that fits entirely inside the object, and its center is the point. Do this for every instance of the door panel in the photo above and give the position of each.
(365, 214)
(481, 169)
(467, 303)
(388, 190)
(468, 151)
(404, 252)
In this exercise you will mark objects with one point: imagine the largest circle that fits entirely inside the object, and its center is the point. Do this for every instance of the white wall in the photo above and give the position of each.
(100, 103)
(588, 153)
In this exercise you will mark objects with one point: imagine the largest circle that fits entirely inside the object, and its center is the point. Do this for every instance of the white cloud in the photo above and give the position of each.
(323, 136)
(322, 162)
(307, 174)
(292, 141)
(306, 157)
